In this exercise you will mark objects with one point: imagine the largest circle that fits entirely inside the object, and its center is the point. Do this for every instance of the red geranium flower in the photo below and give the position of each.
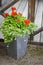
(14, 13)
(13, 8)
(18, 20)
(6, 14)
(27, 22)
(20, 14)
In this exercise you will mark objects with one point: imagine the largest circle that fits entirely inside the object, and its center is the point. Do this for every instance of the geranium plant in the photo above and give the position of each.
(15, 24)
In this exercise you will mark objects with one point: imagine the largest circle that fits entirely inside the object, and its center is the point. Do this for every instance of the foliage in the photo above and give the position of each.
(16, 25)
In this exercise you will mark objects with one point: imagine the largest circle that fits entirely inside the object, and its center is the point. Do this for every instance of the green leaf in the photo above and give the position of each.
(11, 28)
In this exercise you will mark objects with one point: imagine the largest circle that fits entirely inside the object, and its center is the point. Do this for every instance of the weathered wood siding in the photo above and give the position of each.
(38, 20)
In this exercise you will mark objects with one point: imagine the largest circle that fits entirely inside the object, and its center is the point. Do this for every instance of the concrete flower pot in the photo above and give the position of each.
(18, 47)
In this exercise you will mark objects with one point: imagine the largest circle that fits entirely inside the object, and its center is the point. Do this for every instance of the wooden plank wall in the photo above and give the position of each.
(32, 10)
(0, 2)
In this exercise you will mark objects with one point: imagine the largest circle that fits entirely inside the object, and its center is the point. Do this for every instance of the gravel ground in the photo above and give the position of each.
(33, 56)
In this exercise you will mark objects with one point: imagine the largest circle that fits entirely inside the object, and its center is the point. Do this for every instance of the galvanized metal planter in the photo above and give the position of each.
(18, 47)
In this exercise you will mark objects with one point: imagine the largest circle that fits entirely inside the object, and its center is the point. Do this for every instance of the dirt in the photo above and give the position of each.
(33, 56)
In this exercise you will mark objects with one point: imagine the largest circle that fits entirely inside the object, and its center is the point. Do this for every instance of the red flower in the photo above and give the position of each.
(13, 8)
(20, 14)
(18, 20)
(6, 14)
(14, 13)
(27, 22)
